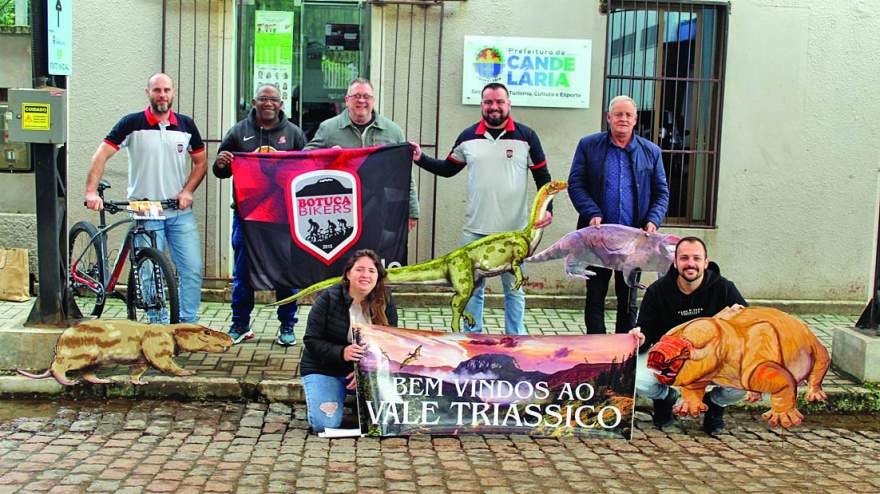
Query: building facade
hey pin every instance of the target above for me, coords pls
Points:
(763, 110)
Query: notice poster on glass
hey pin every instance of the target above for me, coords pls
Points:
(545, 72)
(273, 52)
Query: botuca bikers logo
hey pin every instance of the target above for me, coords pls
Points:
(489, 63)
(326, 212)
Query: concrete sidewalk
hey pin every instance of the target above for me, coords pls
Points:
(260, 369)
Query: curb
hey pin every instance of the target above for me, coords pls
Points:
(841, 399)
(439, 297)
(157, 388)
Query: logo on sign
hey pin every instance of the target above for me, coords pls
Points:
(326, 212)
(489, 63)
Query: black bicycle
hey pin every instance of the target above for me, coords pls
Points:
(152, 286)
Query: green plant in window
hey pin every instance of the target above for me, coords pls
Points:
(7, 16)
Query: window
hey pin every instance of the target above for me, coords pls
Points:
(15, 16)
(669, 57)
(311, 50)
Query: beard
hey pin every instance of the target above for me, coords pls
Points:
(690, 278)
(495, 121)
(161, 108)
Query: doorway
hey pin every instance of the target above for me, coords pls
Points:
(310, 50)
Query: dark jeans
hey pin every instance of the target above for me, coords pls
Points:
(243, 294)
(594, 307)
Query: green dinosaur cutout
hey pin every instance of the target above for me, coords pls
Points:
(464, 267)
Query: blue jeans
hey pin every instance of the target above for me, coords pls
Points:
(325, 396)
(181, 234)
(647, 386)
(243, 293)
(514, 300)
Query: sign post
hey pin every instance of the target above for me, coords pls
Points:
(39, 117)
(59, 36)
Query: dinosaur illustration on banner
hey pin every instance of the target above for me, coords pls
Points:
(759, 349)
(91, 344)
(617, 247)
(464, 267)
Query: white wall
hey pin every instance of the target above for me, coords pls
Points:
(797, 208)
(117, 46)
(558, 129)
(798, 186)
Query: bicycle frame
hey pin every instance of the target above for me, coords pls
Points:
(128, 251)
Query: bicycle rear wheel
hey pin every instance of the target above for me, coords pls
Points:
(152, 289)
(89, 295)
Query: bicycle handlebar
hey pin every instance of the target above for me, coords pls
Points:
(114, 207)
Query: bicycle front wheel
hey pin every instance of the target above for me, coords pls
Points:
(87, 270)
(152, 289)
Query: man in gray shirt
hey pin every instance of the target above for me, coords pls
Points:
(360, 126)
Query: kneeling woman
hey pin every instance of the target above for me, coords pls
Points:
(327, 362)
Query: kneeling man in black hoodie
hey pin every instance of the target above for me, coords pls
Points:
(693, 287)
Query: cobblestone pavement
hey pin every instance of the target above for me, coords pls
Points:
(262, 358)
(149, 446)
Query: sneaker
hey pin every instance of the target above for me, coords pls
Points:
(663, 409)
(713, 422)
(286, 336)
(240, 334)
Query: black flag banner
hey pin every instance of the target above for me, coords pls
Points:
(304, 210)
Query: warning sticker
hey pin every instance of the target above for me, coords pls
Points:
(35, 116)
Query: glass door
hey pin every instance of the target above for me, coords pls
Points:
(310, 50)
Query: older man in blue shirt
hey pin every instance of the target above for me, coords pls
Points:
(617, 177)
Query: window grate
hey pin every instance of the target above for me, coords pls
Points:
(669, 57)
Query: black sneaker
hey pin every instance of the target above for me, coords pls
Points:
(663, 409)
(713, 422)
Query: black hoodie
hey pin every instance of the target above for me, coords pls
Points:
(664, 306)
(247, 136)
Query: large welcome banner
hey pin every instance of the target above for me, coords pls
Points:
(304, 211)
(414, 382)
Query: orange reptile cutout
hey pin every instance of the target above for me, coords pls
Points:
(759, 349)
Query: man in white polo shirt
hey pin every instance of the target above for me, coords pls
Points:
(499, 155)
(158, 140)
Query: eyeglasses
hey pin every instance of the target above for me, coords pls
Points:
(273, 99)
(367, 97)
